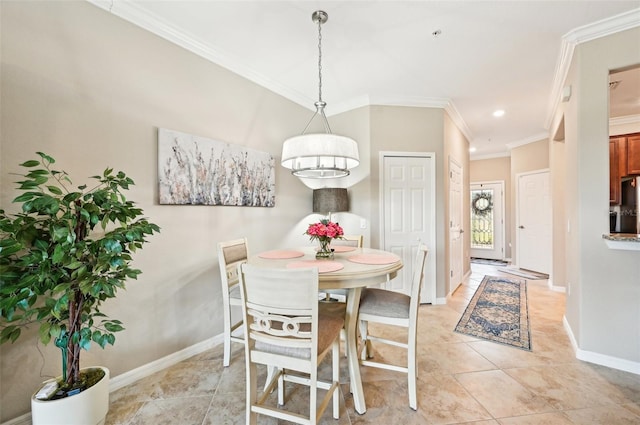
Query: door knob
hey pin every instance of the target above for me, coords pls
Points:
(521, 227)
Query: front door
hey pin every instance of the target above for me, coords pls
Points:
(533, 227)
(487, 224)
(408, 210)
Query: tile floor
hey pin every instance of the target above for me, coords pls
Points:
(461, 379)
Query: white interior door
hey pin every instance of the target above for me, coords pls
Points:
(533, 227)
(487, 222)
(408, 209)
(455, 225)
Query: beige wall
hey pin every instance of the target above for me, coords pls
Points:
(496, 169)
(410, 129)
(603, 285)
(557, 160)
(91, 90)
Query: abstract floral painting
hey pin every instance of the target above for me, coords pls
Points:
(194, 170)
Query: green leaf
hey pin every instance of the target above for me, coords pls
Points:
(9, 333)
(45, 335)
(60, 233)
(55, 190)
(27, 184)
(46, 157)
(31, 163)
(85, 338)
(113, 327)
(58, 254)
(27, 196)
(39, 172)
(71, 197)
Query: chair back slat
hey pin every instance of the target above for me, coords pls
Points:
(281, 305)
(230, 254)
(349, 240)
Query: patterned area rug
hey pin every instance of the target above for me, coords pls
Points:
(498, 312)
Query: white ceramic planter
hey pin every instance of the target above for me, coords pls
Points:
(89, 407)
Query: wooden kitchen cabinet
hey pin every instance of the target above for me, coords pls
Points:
(633, 155)
(624, 161)
(614, 171)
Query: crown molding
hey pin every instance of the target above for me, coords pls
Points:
(144, 19)
(489, 156)
(627, 119)
(570, 40)
(605, 27)
(420, 102)
(459, 121)
(156, 25)
(532, 139)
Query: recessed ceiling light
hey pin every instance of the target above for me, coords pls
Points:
(498, 113)
(472, 149)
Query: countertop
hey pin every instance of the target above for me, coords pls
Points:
(624, 241)
(625, 237)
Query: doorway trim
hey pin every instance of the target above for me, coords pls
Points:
(431, 242)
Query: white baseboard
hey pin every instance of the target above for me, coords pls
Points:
(440, 301)
(554, 288)
(143, 371)
(20, 420)
(597, 358)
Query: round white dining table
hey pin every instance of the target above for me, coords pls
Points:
(351, 268)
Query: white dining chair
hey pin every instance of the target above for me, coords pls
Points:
(287, 330)
(230, 254)
(349, 240)
(394, 308)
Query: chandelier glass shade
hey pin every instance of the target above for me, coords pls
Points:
(320, 155)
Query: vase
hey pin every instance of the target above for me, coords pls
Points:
(89, 407)
(324, 253)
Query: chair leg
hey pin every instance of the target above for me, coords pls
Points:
(227, 339)
(412, 371)
(313, 396)
(335, 366)
(252, 394)
(366, 349)
(281, 387)
(271, 372)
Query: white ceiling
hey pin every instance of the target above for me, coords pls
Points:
(510, 55)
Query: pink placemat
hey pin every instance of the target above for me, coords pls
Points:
(280, 254)
(374, 258)
(323, 266)
(343, 248)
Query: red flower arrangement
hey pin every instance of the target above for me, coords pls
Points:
(324, 232)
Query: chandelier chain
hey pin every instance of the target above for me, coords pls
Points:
(320, 60)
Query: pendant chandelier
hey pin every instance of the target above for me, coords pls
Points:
(320, 155)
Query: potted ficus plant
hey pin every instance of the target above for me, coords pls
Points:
(66, 252)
